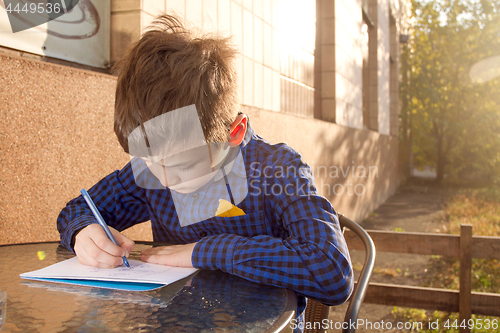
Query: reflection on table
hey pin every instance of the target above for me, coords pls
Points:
(207, 301)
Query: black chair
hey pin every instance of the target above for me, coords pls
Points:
(316, 311)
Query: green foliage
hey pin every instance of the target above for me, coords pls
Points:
(455, 118)
(444, 273)
(480, 207)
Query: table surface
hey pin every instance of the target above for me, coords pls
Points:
(208, 301)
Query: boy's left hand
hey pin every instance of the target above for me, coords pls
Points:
(173, 255)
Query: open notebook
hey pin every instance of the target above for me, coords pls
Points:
(141, 276)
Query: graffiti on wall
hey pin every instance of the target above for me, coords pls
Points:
(73, 30)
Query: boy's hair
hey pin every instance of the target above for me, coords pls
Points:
(170, 68)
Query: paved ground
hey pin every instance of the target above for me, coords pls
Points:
(416, 207)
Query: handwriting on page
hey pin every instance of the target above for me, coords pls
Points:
(139, 271)
(135, 269)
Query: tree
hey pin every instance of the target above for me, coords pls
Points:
(455, 118)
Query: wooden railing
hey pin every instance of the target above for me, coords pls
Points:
(464, 246)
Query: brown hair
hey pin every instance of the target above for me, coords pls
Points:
(169, 68)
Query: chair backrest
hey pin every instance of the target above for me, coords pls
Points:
(359, 292)
(316, 312)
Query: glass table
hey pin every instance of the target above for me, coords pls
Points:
(207, 301)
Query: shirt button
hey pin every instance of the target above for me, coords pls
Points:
(195, 196)
(203, 234)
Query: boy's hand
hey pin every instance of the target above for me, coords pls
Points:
(94, 248)
(174, 255)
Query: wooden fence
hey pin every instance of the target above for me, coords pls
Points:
(464, 246)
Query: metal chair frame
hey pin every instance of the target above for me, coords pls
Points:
(316, 311)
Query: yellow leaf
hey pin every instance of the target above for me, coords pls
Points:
(226, 209)
(41, 255)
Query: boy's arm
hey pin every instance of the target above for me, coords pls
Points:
(118, 199)
(313, 260)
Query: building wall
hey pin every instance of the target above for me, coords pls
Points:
(383, 72)
(57, 138)
(349, 63)
(57, 128)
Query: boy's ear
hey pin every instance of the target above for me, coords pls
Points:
(238, 130)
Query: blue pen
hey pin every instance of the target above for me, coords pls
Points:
(101, 222)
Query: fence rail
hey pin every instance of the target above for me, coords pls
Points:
(463, 246)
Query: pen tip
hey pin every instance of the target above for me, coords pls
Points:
(125, 261)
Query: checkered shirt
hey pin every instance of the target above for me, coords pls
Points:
(290, 236)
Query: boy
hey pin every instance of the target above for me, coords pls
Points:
(175, 114)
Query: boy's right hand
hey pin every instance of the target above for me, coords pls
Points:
(94, 248)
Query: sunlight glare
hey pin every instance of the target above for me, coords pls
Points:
(485, 70)
(297, 23)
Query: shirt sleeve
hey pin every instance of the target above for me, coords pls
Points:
(311, 258)
(117, 198)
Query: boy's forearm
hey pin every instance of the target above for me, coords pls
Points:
(316, 270)
(215, 252)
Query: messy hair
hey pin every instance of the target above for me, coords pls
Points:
(170, 68)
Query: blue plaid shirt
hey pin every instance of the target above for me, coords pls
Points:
(290, 236)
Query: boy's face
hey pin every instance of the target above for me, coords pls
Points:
(187, 171)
